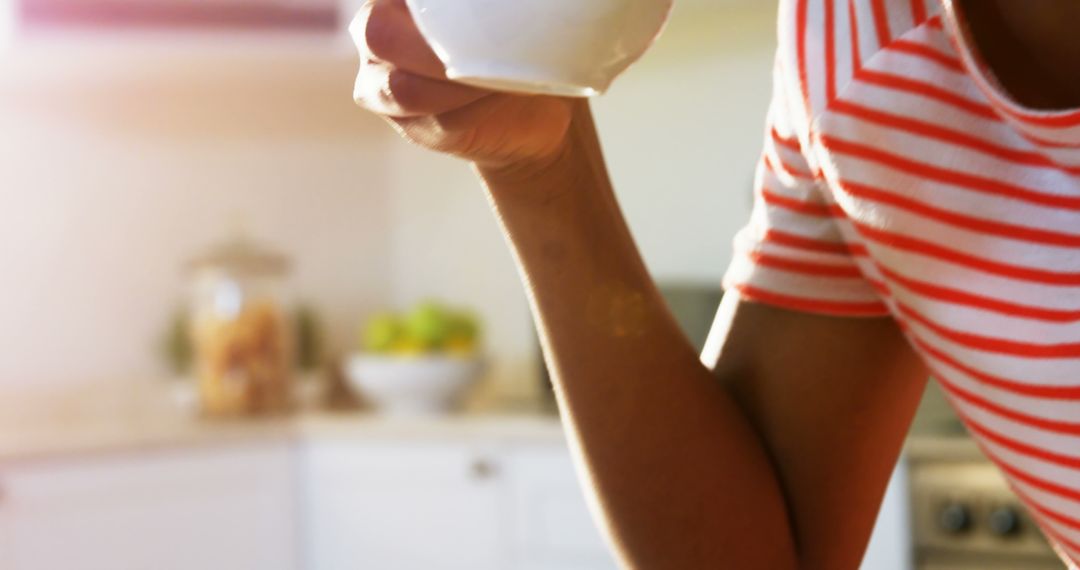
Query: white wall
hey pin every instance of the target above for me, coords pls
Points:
(7, 22)
(682, 131)
(114, 169)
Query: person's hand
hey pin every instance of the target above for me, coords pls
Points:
(403, 80)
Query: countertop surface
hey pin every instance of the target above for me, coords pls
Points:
(165, 431)
(152, 428)
(952, 447)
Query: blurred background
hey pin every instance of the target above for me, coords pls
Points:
(244, 326)
(132, 141)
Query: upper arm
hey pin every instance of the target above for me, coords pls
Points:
(821, 373)
(831, 399)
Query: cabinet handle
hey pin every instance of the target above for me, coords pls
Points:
(482, 469)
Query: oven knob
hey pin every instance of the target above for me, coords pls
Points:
(1004, 522)
(954, 518)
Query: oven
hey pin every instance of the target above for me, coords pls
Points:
(963, 515)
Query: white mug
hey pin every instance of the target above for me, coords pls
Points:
(571, 48)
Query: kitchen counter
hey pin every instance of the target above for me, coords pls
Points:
(150, 428)
(497, 470)
(44, 442)
(942, 448)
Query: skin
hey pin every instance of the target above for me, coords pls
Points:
(1032, 48)
(770, 451)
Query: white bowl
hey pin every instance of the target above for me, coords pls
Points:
(560, 47)
(422, 385)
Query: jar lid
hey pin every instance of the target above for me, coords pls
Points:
(241, 255)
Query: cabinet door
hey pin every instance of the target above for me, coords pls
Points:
(227, 509)
(403, 506)
(890, 546)
(5, 534)
(553, 528)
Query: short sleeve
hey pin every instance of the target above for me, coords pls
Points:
(792, 253)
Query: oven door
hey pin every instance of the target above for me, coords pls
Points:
(987, 565)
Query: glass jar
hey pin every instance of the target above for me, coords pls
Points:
(241, 331)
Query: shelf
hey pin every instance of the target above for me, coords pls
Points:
(261, 60)
(36, 49)
(136, 45)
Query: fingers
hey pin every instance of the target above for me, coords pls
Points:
(400, 76)
(402, 79)
(449, 132)
(385, 31)
(394, 92)
(498, 128)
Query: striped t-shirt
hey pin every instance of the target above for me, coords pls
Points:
(899, 179)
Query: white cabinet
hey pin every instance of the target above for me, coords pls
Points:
(404, 506)
(417, 506)
(5, 536)
(372, 502)
(552, 526)
(890, 545)
(224, 508)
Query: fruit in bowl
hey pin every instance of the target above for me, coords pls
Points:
(417, 363)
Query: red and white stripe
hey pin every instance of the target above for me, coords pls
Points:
(897, 180)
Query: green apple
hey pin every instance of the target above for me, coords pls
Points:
(463, 335)
(428, 325)
(382, 333)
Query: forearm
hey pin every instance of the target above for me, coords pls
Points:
(682, 477)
